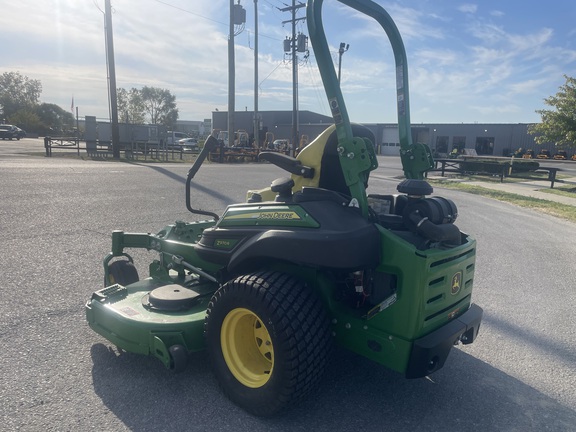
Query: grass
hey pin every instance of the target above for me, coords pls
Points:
(568, 191)
(552, 208)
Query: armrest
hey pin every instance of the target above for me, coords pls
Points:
(287, 163)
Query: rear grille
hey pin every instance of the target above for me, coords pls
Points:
(450, 308)
(469, 252)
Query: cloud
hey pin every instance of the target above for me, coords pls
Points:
(492, 108)
(468, 8)
(454, 61)
(528, 86)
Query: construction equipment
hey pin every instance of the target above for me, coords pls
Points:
(239, 151)
(561, 155)
(268, 140)
(311, 261)
(544, 154)
(529, 154)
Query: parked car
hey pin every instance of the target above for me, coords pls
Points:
(8, 132)
(188, 144)
(20, 133)
(173, 137)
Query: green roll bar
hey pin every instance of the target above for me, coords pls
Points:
(416, 158)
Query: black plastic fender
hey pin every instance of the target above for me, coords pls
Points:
(338, 250)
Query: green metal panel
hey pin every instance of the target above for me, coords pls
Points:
(424, 300)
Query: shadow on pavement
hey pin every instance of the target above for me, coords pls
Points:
(356, 394)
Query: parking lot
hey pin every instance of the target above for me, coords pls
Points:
(57, 215)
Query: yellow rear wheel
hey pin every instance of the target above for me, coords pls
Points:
(247, 347)
(268, 339)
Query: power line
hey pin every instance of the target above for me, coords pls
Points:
(190, 12)
(209, 19)
(319, 94)
(268, 76)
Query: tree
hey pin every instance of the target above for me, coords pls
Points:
(151, 104)
(130, 106)
(54, 119)
(160, 105)
(17, 92)
(27, 119)
(559, 125)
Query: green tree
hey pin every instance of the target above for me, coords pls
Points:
(27, 119)
(558, 125)
(150, 104)
(17, 92)
(130, 106)
(160, 105)
(54, 120)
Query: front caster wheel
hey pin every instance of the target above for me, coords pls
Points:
(179, 358)
(268, 337)
(121, 272)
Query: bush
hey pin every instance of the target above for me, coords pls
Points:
(524, 165)
(491, 167)
(495, 166)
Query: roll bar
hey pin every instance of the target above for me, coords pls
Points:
(416, 158)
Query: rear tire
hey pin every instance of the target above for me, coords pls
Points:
(268, 338)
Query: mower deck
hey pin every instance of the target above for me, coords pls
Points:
(129, 318)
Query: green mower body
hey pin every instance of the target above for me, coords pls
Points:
(387, 297)
(311, 261)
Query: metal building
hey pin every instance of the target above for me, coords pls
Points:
(494, 139)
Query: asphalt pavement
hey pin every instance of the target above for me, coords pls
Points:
(56, 374)
(528, 188)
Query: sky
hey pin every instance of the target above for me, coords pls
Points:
(486, 61)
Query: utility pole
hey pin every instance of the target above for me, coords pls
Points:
(256, 119)
(231, 77)
(113, 97)
(293, 46)
(237, 17)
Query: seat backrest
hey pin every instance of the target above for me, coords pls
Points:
(322, 155)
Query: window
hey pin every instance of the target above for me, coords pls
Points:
(485, 145)
(442, 144)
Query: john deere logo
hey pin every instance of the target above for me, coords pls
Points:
(456, 283)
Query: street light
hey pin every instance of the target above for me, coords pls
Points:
(343, 48)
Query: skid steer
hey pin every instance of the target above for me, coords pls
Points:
(313, 261)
